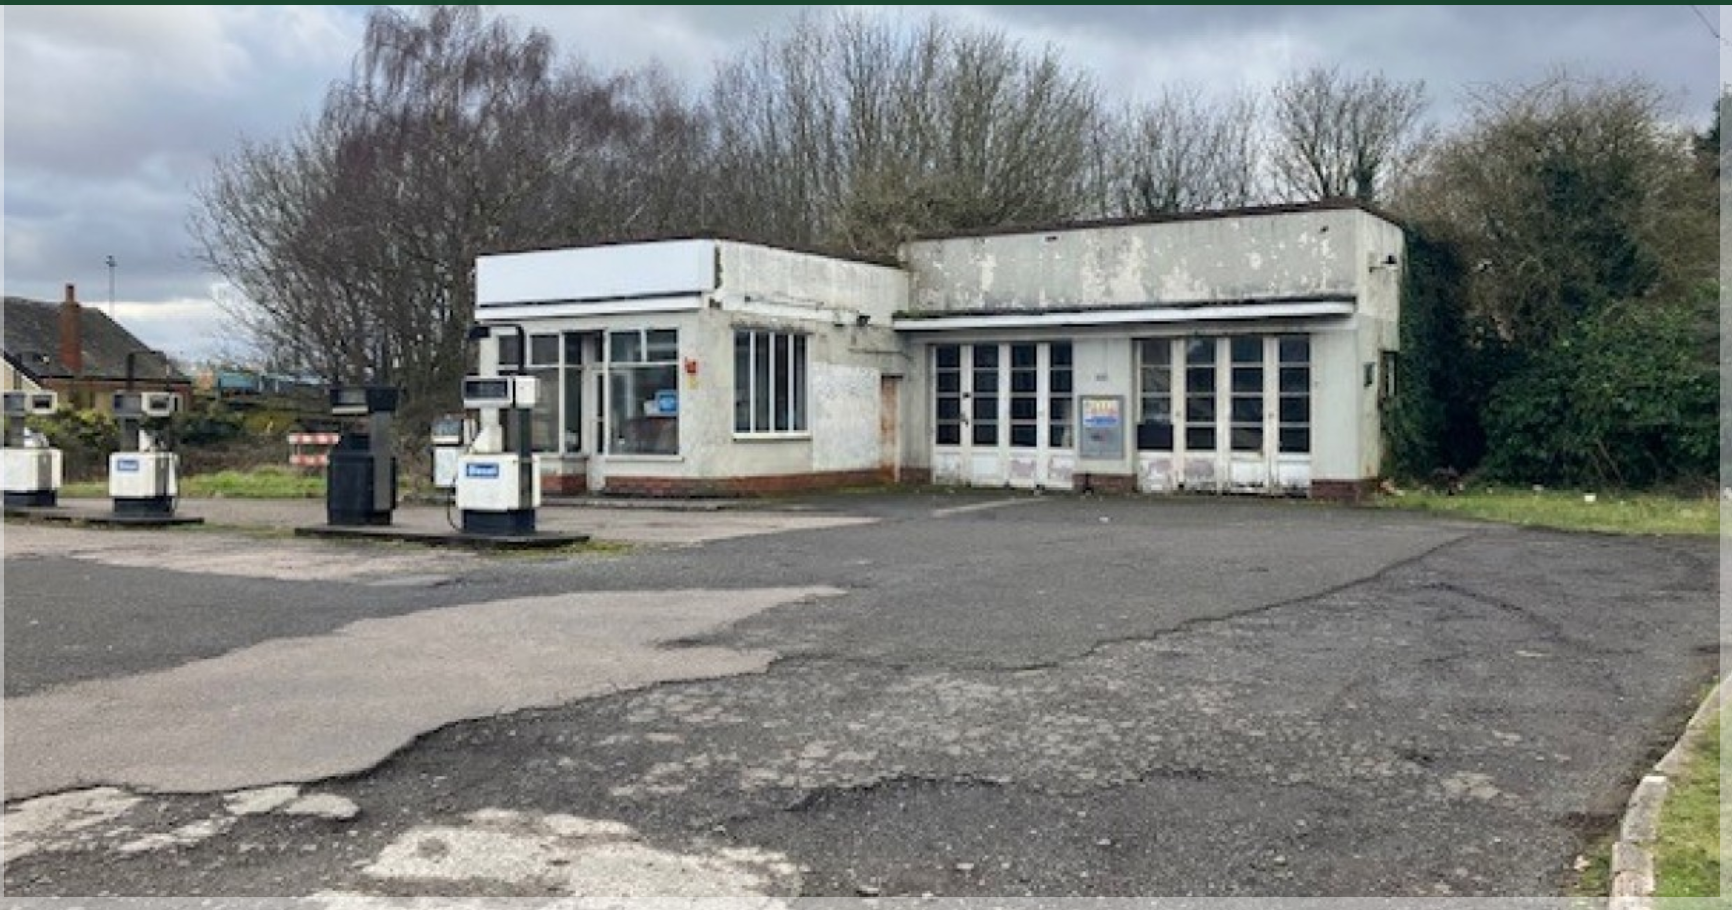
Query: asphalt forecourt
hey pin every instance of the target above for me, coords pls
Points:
(973, 695)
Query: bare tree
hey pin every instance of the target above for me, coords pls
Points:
(1338, 135)
(853, 134)
(354, 240)
(1182, 153)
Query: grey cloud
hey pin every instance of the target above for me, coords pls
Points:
(1453, 48)
(113, 115)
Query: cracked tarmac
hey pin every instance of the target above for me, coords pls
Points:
(1060, 696)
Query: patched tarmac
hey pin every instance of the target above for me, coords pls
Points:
(995, 696)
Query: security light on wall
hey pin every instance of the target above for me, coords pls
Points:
(1386, 262)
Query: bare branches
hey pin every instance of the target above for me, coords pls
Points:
(354, 240)
(1336, 135)
(1181, 153)
(852, 134)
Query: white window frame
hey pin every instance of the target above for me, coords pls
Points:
(789, 386)
(612, 368)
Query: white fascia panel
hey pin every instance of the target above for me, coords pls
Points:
(665, 268)
(1142, 316)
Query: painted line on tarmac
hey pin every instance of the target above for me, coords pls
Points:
(979, 507)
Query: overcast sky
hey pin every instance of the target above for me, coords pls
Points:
(113, 114)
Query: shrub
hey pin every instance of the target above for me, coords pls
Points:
(85, 438)
(1626, 397)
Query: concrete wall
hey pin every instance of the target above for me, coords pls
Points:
(1380, 329)
(1283, 254)
(1339, 253)
(843, 308)
(836, 290)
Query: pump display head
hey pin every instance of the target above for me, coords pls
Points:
(359, 401)
(134, 405)
(501, 392)
(28, 404)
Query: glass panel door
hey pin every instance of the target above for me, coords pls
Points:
(1295, 394)
(1024, 396)
(983, 412)
(1200, 400)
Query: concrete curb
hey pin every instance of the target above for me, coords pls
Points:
(1633, 852)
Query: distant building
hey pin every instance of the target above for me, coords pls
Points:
(1246, 351)
(79, 352)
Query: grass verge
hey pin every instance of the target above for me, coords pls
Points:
(1687, 854)
(268, 482)
(1610, 512)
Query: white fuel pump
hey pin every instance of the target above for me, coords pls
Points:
(499, 475)
(30, 467)
(143, 473)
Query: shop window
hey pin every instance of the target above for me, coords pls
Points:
(769, 382)
(643, 392)
(571, 391)
(544, 416)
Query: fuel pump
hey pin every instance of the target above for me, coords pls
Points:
(30, 466)
(449, 435)
(142, 473)
(361, 477)
(499, 476)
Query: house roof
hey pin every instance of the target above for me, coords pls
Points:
(32, 343)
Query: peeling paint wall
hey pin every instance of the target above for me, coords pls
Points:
(1380, 330)
(835, 289)
(1212, 259)
(844, 309)
(845, 406)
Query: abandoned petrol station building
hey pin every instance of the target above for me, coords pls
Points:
(1247, 351)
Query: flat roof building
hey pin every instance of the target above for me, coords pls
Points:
(1243, 351)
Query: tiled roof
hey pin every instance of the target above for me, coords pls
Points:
(32, 343)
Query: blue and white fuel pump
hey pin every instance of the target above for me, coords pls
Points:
(499, 475)
(143, 474)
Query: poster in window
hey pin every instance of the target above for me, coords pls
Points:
(1103, 427)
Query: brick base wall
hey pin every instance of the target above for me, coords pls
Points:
(1350, 491)
(712, 487)
(564, 484)
(1343, 490)
(1104, 483)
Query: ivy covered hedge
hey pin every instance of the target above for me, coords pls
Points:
(1626, 396)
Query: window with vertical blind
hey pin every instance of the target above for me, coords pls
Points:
(769, 382)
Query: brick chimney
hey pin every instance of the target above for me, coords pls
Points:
(72, 333)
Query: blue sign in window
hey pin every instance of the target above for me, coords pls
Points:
(485, 470)
(126, 465)
(668, 402)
